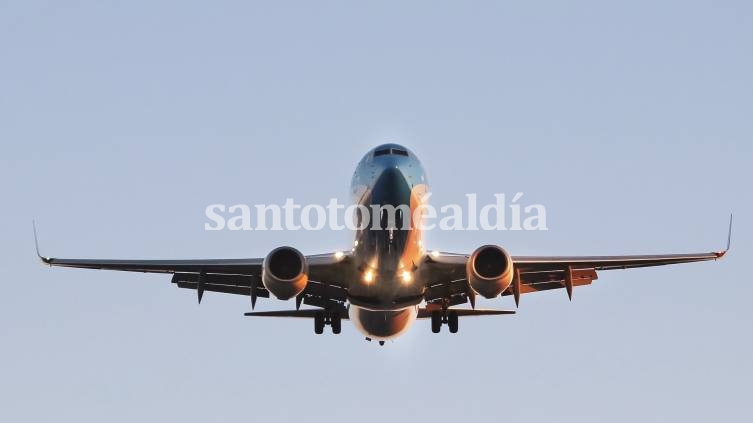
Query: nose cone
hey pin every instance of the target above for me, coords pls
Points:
(391, 188)
(393, 163)
(391, 176)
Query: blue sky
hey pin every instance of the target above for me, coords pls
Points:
(121, 122)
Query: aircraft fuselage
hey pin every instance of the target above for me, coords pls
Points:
(387, 252)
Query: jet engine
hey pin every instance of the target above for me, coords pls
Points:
(285, 272)
(489, 270)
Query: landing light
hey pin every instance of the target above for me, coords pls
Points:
(339, 255)
(406, 276)
(368, 276)
(435, 253)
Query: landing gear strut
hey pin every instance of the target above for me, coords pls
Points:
(438, 317)
(323, 318)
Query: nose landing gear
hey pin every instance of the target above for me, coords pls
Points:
(438, 317)
(323, 318)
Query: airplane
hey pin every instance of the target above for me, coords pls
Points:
(388, 279)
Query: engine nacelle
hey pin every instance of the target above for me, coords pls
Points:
(285, 272)
(489, 270)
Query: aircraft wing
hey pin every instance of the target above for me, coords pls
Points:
(229, 276)
(326, 287)
(213, 266)
(540, 273)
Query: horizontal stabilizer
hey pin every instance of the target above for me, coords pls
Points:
(305, 314)
(422, 313)
(425, 314)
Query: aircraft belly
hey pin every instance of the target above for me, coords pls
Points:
(382, 325)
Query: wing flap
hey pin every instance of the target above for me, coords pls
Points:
(225, 289)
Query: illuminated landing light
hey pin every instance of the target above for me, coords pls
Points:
(435, 253)
(355, 243)
(339, 255)
(406, 276)
(368, 276)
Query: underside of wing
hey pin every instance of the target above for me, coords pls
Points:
(326, 287)
(611, 262)
(449, 285)
(229, 276)
(218, 266)
(315, 294)
(459, 291)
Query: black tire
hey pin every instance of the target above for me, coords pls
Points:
(336, 323)
(436, 321)
(452, 321)
(319, 323)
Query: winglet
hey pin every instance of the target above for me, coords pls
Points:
(45, 260)
(721, 254)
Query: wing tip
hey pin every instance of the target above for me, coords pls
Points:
(45, 260)
(720, 254)
(729, 233)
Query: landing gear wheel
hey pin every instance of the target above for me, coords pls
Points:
(319, 323)
(336, 323)
(452, 321)
(436, 321)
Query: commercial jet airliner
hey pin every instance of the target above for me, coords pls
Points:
(388, 279)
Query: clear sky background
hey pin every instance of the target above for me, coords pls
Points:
(121, 121)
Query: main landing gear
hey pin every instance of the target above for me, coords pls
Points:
(444, 316)
(332, 318)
